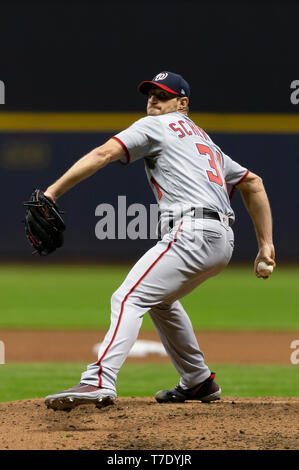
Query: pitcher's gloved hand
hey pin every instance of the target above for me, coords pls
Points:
(44, 226)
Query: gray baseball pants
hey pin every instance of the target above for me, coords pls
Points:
(179, 262)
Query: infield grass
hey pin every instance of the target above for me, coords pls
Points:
(78, 297)
(23, 381)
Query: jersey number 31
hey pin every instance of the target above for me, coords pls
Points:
(213, 177)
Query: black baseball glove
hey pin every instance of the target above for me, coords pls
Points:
(44, 226)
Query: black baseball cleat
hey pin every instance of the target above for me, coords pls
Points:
(81, 394)
(206, 391)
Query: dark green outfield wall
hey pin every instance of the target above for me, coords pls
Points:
(274, 157)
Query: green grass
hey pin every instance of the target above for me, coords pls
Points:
(78, 297)
(23, 381)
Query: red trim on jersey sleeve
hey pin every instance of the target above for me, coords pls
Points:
(126, 298)
(125, 149)
(240, 181)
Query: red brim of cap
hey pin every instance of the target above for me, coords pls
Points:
(144, 87)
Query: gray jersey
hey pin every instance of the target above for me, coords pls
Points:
(183, 165)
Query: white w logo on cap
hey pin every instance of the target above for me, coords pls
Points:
(160, 76)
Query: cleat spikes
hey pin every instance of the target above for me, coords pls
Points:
(79, 395)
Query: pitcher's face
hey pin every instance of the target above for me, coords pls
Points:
(161, 102)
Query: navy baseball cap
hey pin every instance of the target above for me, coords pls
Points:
(169, 81)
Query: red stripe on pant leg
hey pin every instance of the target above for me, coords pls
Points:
(126, 298)
(122, 310)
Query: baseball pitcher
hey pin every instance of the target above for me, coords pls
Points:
(193, 181)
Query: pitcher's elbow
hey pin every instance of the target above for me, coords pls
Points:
(102, 156)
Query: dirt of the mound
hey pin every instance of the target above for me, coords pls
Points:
(235, 347)
(140, 424)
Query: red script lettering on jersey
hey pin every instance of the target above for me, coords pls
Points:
(186, 130)
(177, 129)
(182, 127)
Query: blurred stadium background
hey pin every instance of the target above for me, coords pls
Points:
(71, 71)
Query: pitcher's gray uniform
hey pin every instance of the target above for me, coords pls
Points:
(187, 172)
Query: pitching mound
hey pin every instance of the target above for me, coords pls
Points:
(141, 423)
